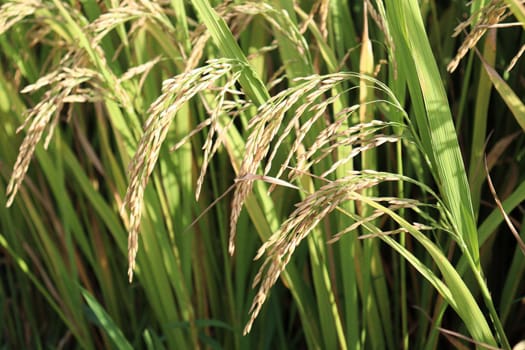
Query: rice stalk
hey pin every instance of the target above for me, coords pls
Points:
(175, 93)
(13, 12)
(267, 124)
(65, 87)
(491, 14)
(140, 12)
(279, 248)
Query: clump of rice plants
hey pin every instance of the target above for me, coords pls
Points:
(281, 174)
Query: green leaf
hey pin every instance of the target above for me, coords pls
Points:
(106, 323)
(507, 94)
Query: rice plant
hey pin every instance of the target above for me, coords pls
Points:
(279, 174)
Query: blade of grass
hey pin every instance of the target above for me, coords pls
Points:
(438, 127)
(224, 39)
(512, 101)
(440, 130)
(455, 291)
(106, 323)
